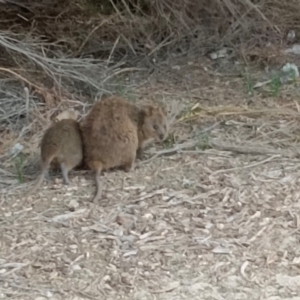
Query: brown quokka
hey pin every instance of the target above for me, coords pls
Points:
(60, 145)
(115, 130)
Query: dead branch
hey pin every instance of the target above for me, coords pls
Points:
(179, 147)
(252, 150)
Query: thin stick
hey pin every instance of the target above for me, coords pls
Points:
(178, 147)
(113, 50)
(27, 102)
(250, 150)
(91, 33)
(20, 77)
(175, 149)
(245, 167)
(122, 71)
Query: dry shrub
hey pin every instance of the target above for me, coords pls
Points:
(144, 26)
(76, 45)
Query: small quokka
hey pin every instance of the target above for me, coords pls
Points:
(61, 144)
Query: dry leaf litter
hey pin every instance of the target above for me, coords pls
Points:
(197, 224)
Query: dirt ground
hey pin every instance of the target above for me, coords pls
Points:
(202, 223)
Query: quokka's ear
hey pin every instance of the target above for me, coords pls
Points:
(147, 110)
(164, 110)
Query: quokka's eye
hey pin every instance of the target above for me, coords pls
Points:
(155, 127)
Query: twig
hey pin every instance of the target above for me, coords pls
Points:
(122, 71)
(204, 152)
(245, 167)
(20, 77)
(129, 44)
(26, 102)
(175, 149)
(178, 147)
(67, 216)
(164, 43)
(112, 50)
(250, 150)
(15, 266)
(255, 7)
(91, 33)
(174, 285)
(84, 294)
(149, 195)
(18, 286)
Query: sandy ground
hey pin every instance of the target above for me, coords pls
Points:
(198, 224)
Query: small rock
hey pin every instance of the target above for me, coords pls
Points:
(73, 204)
(296, 260)
(218, 54)
(220, 226)
(209, 225)
(126, 221)
(16, 149)
(295, 49)
(106, 278)
(148, 216)
(49, 294)
(291, 35)
(76, 268)
(57, 180)
(126, 278)
(68, 114)
(291, 69)
(128, 238)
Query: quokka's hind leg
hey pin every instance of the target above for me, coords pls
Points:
(130, 165)
(97, 167)
(65, 173)
(47, 175)
(99, 186)
(140, 153)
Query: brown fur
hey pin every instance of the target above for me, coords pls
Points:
(114, 130)
(62, 145)
(152, 126)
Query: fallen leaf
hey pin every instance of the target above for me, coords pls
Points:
(67, 114)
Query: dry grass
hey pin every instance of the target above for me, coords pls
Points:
(69, 53)
(63, 41)
(211, 215)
